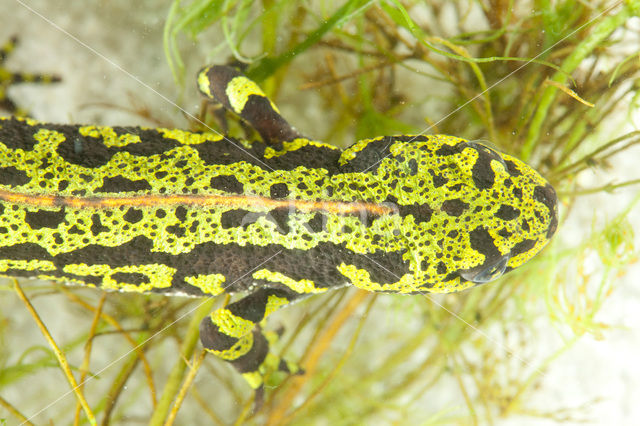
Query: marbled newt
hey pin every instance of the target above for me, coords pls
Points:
(181, 213)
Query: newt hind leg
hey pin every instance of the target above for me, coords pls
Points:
(233, 333)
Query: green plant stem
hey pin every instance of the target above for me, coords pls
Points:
(174, 381)
(267, 66)
(582, 50)
(60, 355)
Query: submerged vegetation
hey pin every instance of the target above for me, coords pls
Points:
(543, 81)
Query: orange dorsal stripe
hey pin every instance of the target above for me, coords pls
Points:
(194, 200)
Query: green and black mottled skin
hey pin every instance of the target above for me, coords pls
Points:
(173, 212)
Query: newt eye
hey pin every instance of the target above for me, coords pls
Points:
(486, 273)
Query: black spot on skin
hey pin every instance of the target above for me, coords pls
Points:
(512, 168)
(24, 251)
(504, 233)
(482, 174)
(11, 176)
(439, 180)
(75, 230)
(176, 230)
(413, 167)
(507, 212)
(547, 196)
(44, 219)
(281, 218)
(391, 199)
(421, 212)
(14, 134)
(234, 218)
(424, 264)
(317, 223)
(451, 276)
(122, 184)
(134, 278)
(525, 225)
(151, 142)
(228, 151)
(72, 149)
(517, 192)
(316, 157)
(454, 207)
(382, 267)
(181, 213)
(161, 213)
(522, 247)
(441, 268)
(62, 185)
(133, 215)
(278, 191)
(482, 242)
(96, 225)
(446, 150)
(371, 156)
(226, 183)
